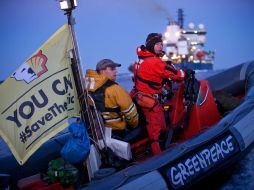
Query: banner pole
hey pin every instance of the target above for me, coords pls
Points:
(78, 75)
(86, 115)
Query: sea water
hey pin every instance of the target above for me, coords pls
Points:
(242, 176)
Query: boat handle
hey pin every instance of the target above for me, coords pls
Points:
(206, 95)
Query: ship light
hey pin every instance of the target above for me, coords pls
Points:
(174, 56)
(194, 43)
(165, 58)
(68, 4)
(193, 48)
(166, 35)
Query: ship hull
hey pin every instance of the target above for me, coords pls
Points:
(194, 66)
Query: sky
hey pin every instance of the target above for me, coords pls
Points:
(114, 28)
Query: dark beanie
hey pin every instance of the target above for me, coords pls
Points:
(151, 40)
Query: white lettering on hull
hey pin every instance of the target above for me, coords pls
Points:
(181, 172)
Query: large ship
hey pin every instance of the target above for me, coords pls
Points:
(185, 46)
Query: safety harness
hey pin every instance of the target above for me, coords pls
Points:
(99, 97)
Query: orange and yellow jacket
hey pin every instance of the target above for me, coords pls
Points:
(115, 97)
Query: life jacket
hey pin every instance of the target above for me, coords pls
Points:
(99, 97)
(137, 78)
(149, 72)
(118, 107)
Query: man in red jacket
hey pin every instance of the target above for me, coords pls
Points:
(149, 72)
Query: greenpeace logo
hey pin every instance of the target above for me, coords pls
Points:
(195, 165)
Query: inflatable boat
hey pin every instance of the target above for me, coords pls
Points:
(211, 121)
(217, 132)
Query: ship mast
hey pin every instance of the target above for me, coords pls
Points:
(180, 18)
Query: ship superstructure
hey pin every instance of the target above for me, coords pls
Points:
(185, 47)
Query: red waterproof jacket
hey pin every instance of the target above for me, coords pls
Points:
(149, 71)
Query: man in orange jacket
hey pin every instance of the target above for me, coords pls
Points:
(111, 99)
(149, 72)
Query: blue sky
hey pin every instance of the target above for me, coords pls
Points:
(114, 28)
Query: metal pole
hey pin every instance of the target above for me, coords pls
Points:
(78, 75)
(86, 115)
